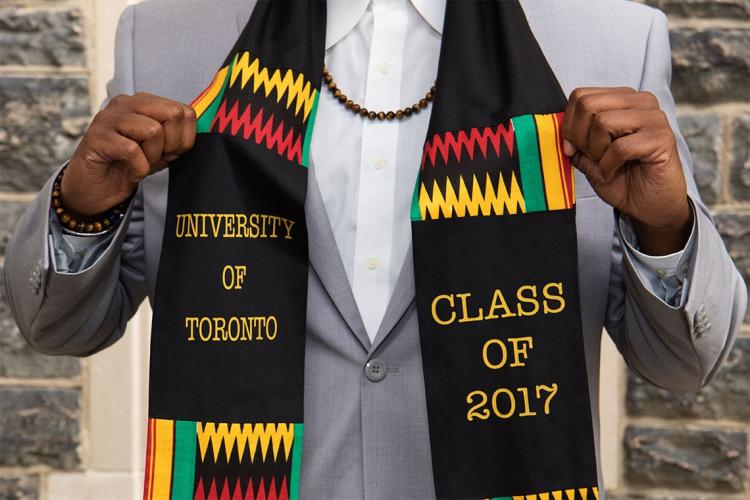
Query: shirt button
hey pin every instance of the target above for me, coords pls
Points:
(375, 370)
(378, 163)
(372, 263)
(384, 68)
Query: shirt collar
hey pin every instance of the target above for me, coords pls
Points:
(343, 16)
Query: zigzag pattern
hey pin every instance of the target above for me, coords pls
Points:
(458, 144)
(261, 493)
(249, 126)
(489, 201)
(569, 494)
(298, 90)
(248, 437)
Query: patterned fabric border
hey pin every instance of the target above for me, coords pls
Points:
(258, 460)
(539, 178)
(569, 494)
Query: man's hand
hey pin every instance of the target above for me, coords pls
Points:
(132, 137)
(622, 142)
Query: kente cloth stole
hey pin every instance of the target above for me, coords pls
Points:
(495, 257)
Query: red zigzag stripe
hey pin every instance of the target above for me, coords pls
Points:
(465, 142)
(262, 493)
(253, 126)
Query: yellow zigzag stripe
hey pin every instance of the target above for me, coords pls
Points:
(297, 89)
(569, 494)
(245, 436)
(463, 204)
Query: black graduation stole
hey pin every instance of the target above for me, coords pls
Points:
(495, 259)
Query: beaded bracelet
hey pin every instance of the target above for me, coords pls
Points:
(94, 226)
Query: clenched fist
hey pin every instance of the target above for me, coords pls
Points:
(132, 137)
(622, 142)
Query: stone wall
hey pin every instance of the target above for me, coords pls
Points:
(685, 446)
(45, 105)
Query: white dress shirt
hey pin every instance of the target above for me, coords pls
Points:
(383, 54)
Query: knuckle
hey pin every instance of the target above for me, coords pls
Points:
(620, 148)
(119, 100)
(190, 113)
(129, 149)
(577, 94)
(587, 103)
(153, 131)
(649, 97)
(600, 121)
(175, 111)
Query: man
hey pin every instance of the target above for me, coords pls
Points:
(654, 271)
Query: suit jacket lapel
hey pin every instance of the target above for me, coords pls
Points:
(326, 261)
(403, 296)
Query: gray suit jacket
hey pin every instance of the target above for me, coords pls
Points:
(362, 438)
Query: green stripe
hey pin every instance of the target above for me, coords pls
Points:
(204, 122)
(308, 132)
(183, 472)
(296, 461)
(528, 159)
(416, 214)
(502, 498)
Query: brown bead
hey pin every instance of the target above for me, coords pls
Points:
(89, 228)
(72, 224)
(372, 115)
(363, 112)
(55, 193)
(407, 111)
(64, 218)
(428, 96)
(59, 210)
(381, 115)
(336, 93)
(55, 202)
(423, 103)
(343, 98)
(415, 108)
(390, 115)
(399, 114)
(356, 107)
(80, 227)
(331, 85)
(348, 104)
(105, 222)
(327, 79)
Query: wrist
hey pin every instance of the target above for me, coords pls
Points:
(74, 222)
(665, 239)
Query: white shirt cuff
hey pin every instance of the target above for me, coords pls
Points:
(666, 275)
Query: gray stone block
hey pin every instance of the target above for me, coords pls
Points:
(41, 121)
(731, 9)
(42, 37)
(735, 229)
(19, 488)
(714, 461)
(703, 135)
(19, 360)
(710, 65)
(728, 396)
(40, 426)
(10, 212)
(739, 185)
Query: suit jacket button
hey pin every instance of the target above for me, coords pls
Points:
(375, 370)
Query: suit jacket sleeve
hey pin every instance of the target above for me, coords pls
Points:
(82, 312)
(678, 348)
